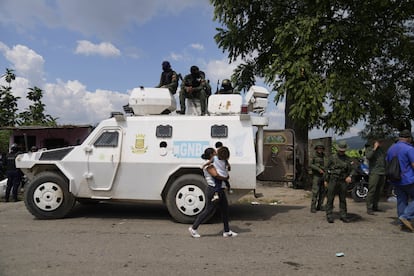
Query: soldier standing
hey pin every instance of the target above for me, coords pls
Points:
(339, 176)
(13, 173)
(318, 163)
(376, 158)
(169, 78)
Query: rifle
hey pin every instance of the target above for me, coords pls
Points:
(180, 77)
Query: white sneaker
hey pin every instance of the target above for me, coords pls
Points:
(215, 197)
(229, 234)
(193, 232)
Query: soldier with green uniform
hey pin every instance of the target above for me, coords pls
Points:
(194, 85)
(317, 165)
(376, 158)
(339, 175)
(169, 78)
(226, 87)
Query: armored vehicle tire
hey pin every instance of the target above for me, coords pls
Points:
(186, 198)
(48, 196)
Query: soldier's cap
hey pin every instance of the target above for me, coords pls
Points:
(165, 63)
(319, 146)
(405, 133)
(342, 146)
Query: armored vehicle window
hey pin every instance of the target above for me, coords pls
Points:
(107, 139)
(164, 131)
(219, 131)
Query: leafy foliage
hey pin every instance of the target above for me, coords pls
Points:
(335, 62)
(8, 102)
(34, 115)
(243, 76)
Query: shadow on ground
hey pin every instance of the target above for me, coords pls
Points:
(238, 212)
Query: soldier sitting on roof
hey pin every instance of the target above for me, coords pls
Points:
(193, 86)
(169, 78)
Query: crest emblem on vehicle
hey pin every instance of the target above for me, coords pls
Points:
(139, 146)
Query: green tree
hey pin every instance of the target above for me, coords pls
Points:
(34, 114)
(8, 102)
(334, 62)
(243, 76)
(9, 76)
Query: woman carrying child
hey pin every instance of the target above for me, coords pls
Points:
(210, 174)
(221, 163)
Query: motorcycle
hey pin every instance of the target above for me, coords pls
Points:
(359, 185)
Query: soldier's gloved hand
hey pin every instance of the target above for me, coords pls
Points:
(348, 179)
(189, 89)
(325, 183)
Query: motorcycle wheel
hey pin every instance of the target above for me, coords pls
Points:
(359, 193)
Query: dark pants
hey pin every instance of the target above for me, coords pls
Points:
(336, 186)
(13, 182)
(210, 206)
(318, 192)
(375, 187)
(198, 95)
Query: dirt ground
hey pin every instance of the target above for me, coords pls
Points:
(272, 193)
(277, 236)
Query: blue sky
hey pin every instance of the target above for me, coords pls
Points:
(88, 55)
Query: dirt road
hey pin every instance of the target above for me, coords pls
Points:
(277, 236)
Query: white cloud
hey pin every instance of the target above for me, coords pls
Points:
(275, 112)
(26, 14)
(105, 49)
(26, 62)
(220, 69)
(104, 18)
(70, 101)
(74, 104)
(176, 56)
(197, 46)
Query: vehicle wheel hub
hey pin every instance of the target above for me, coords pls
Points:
(48, 196)
(190, 200)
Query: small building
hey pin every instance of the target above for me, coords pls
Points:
(49, 137)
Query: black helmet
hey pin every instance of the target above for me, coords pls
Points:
(226, 84)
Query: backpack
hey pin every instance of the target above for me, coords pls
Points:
(393, 170)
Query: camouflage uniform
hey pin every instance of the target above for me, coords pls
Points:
(376, 159)
(169, 78)
(226, 87)
(339, 169)
(194, 85)
(317, 165)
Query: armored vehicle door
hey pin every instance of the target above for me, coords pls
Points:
(278, 156)
(103, 157)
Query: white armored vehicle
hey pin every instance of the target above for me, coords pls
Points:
(150, 156)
